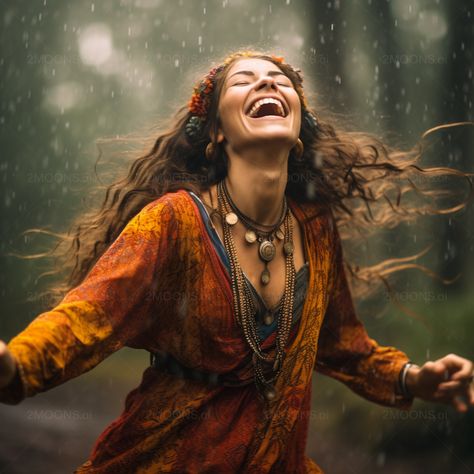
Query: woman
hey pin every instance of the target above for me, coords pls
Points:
(233, 279)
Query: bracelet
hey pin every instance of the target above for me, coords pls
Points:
(403, 380)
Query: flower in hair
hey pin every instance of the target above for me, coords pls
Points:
(199, 103)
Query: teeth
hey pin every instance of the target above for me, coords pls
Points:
(269, 100)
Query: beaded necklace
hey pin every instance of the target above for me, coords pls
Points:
(243, 308)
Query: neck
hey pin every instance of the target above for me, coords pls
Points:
(256, 182)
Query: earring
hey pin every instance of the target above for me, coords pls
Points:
(210, 149)
(298, 150)
(311, 120)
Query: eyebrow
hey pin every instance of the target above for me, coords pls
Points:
(251, 73)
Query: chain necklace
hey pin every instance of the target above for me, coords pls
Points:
(266, 249)
(243, 308)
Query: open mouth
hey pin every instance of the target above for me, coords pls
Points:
(267, 106)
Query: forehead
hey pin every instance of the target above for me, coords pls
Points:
(252, 64)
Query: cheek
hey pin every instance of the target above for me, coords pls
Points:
(229, 113)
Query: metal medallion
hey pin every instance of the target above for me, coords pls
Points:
(250, 236)
(288, 248)
(269, 392)
(265, 277)
(268, 319)
(231, 218)
(266, 250)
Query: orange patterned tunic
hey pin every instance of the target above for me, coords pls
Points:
(161, 286)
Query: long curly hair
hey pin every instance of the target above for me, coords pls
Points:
(362, 180)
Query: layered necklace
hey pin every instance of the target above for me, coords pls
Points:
(265, 236)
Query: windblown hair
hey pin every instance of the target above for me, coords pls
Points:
(363, 181)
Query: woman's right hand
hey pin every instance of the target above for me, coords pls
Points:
(7, 365)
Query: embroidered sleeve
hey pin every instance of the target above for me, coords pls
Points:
(111, 307)
(348, 354)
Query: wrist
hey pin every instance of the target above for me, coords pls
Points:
(411, 379)
(408, 380)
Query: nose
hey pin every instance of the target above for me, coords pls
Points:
(266, 82)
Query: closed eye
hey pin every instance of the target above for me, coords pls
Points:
(244, 83)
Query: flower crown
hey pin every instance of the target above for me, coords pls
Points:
(200, 101)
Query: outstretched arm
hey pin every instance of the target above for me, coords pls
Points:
(348, 354)
(111, 307)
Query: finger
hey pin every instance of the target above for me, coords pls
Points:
(451, 389)
(471, 395)
(457, 366)
(443, 398)
(459, 404)
(450, 386)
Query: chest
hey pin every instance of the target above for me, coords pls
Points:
(197, 318)
(251, 264)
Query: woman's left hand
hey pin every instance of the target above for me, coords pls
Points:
(446, 380)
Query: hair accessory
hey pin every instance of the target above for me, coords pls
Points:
(278, 59)
(193, 127)
(199, 102)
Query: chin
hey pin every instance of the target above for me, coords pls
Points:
(280, 137)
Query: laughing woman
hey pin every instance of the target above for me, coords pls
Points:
(233, 278)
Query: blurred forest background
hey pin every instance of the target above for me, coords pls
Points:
(76, 72)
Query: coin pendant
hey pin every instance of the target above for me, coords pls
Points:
(288, 248)
(265, 277)
(250, 236)
(231, 218)
(269, 393)
(268, 319)
(266, 250)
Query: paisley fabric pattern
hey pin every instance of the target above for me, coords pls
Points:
(162, 286)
